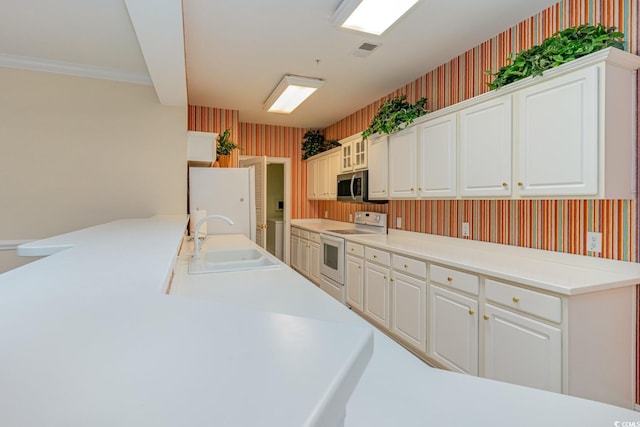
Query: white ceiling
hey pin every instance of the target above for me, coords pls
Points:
(237, 51)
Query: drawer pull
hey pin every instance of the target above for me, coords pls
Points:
(406, 266)
(471, 312)
(449, 279)
(485, 317)
(516, 299)
(352, 249)
(520, 184)
(375, 256)
(504, 184)
(359, 267)
(411, 189)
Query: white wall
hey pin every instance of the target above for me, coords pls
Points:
(76, 152)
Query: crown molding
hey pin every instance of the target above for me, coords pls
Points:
(71, 69)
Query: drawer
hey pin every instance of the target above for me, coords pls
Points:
(536, 303)
(314, 237)
(295, 231)
(455, 279)
(410, 266)
(376, 255)
(355, 249)
(303, 234)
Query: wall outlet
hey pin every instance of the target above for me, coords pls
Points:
(350, 217)
(326, 214)
(465, 229)
(594, 241)
(399, 222)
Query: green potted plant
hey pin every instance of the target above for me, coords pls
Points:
(224, 148)
(395, 114)
(312, 144)
(562, 47)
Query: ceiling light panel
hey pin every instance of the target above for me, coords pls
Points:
(290, 93)
(371, 16)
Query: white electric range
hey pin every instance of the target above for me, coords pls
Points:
(332, 251)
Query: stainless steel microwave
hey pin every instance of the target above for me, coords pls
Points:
(353, 187)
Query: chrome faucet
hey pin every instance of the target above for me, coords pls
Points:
(196, 231)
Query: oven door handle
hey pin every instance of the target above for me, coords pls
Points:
(331, 239)
(353, 178)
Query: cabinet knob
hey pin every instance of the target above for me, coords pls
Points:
(406, 266)
(352, 249)
(419, 188)
(359, 267)
(471, 312)
(384, 191)
(520, 184)
(504, 184)
(385, 277)
(391, 280)
(449, 279)
(375, 256)
(411, 189)
(485, 317)
(516, 299)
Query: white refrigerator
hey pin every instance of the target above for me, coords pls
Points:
(225, 191)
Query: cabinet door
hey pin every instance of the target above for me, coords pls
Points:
(314, 262)
(355, 281)
(408, 309)
(403, 159)
(295, 252)
(521, 350)
(312, 179)
(453, 330)
(359, 153)
(437, 157)
(347, 161)
(378, 167)
(558, 136)
(333, 168)
(485, 149)
(323, 177)
(303, 257)
(376, 293)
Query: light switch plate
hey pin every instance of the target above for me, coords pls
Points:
(465, 229)
(350, 217)
(326, 214)
(594, 241)
(399, 222)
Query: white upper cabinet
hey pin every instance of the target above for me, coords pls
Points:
(354, 153)
(403, 159)
(437, 151)
(485, 149)
(558, 136)
(566, 134)
(322, 171)
(378, 167)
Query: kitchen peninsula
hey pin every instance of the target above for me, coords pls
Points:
(90, 338)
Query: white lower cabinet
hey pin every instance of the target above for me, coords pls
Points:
(295, 251)
(314, 262)
(376, 293)
(408, 304)
(521, 350)
(453, 330)
(354, 268)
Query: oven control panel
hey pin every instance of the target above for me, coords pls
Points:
(376, 219)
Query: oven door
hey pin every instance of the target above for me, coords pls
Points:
(332, 258)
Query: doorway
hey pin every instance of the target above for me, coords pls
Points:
(273, 202)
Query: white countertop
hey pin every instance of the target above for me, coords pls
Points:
(88, 338)
(396, 389)
(564, 274)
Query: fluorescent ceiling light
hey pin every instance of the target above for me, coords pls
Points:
(370, 16)
(291, 92)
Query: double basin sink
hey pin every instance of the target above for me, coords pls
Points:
(225, 260)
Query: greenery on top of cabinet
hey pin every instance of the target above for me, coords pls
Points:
(562, 47)
(395, 114)
(315, 143)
